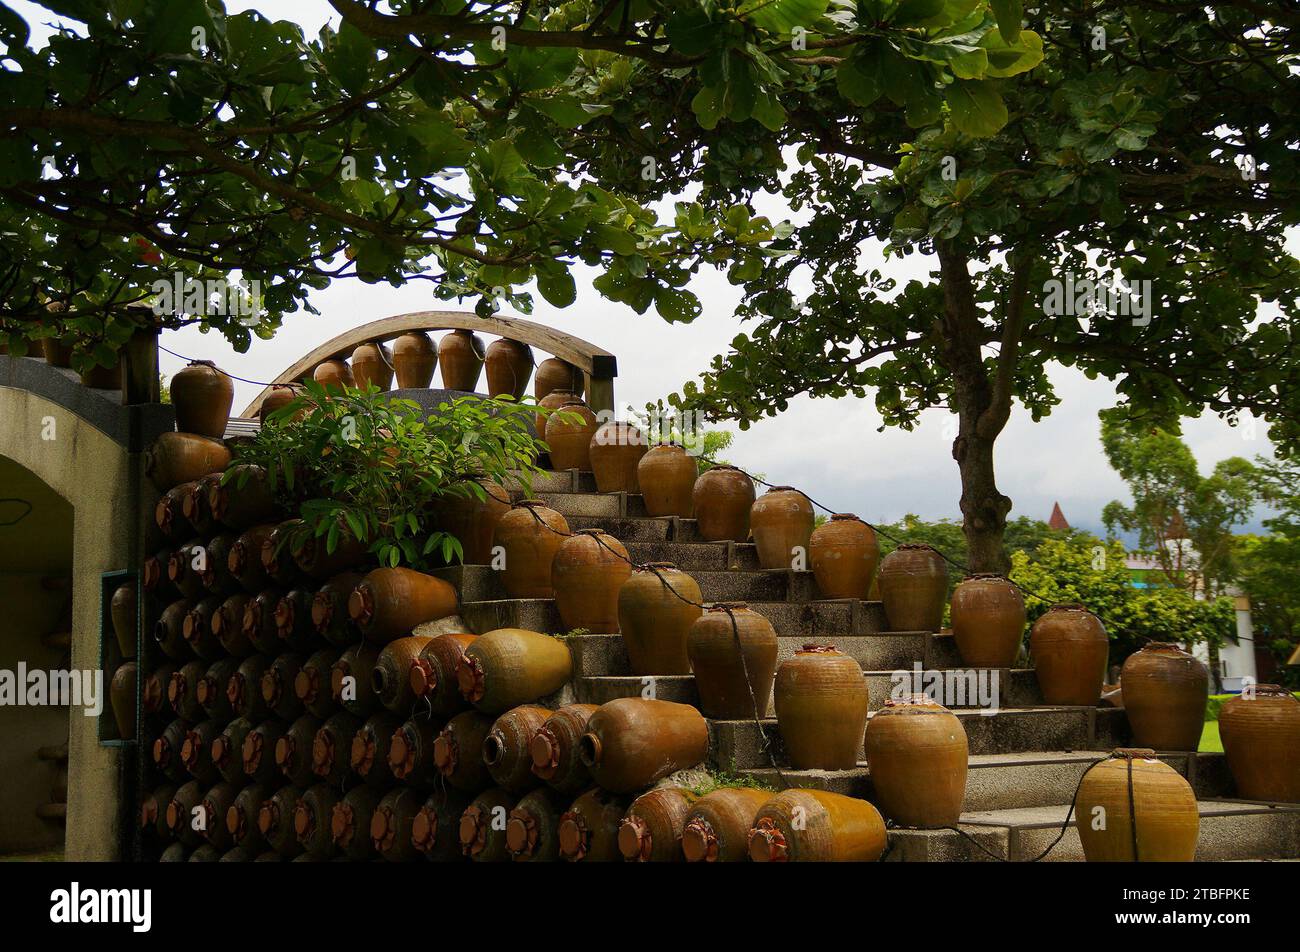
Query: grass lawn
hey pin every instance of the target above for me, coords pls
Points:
(1210, 742)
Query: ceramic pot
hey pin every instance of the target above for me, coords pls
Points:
(651, 832)
(334, 375)
(1168, 820)
(554, 749)
(656, 607)
(473, 520)
(917, 753)
(615, 452)
(734, 681)
(530, 534)
(509, 364)
(1070, 649)
(988, 620)
(722, 498)
(281, 395)
(666, 475)
(718, 824)
(461, 354)
(414, 360)
(815, 826)
(202, 397)
(631, 742)
(821, 708)
(781, 522)
(121, 693)
(1165, 692)
(588, 830)
(125, 616)
(1261, 738)
(511, 666)
(390, 602)
(372, 364)
(432, 675)
(588, 570)
(844, 555)
(913, 582)
(177, 458)
(553, 401)
(570, 439)
(505, 749)
(555, 374)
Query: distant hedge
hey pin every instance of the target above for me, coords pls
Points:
(1216, 703)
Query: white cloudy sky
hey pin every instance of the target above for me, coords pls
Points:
(831, 449)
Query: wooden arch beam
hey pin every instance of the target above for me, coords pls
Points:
(597, 365)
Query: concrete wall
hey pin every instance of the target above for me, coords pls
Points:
(102, 481)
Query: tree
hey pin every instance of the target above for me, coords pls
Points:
(1270, 566)
(167, 139)
(1155, 144)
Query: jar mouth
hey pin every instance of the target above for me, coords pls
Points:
(657, 565)
(914, 546)
(818, 649)
(1069, 607)
(845, 517)
(782, 489)
(723, 606)
(983, 575)
(1134, 753)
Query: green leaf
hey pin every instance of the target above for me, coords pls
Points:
(781, 16)
(558, 289)
(692, 32)
(708, 105)
(530, 68)
(976, 108)
(1010, 13)
(1012, 59)
(676, 305)
(858, 80)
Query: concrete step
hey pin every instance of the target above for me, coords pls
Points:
(535, 614)
(1004, 781)
(1009, 731)
(627, 530)
(605, 505)
(959, 688)
(552, 481)
(1229, 830)
(671, 687)
(697, 556)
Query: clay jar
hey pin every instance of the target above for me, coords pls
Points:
(414, 359)
(473, 520)
(122, 696)
(556, 374)
(1168, 820)
(281, 395)
(372, 364)
(814, 826)
(666, 475)
(511, 666)
(482, 836)
(505, 749)
(432, 675)
(988, 620)
(389, 602)
(532, 830)
(844, 555)
(917, 754)
(202, 396)
(588, 830)
(391, 676)
(732, 684)
(122, 610)
(461, 355)
(589, 569)
(529, 534)
(615, 454)
(631, 742)
(509, 365)
(554, 749)
(1070, 649)
(1165, 691)
(1261, 738)
(651, 832)
(655, 621)
(913, 581)
(718, 824)
(721, 499)
(334, 374)
(821, 708)
(553, 401)
(177, 458)
(570, 439)
(781, 522)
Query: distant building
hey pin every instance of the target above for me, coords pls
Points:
(1057, 520)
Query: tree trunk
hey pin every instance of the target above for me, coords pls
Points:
(982, 402)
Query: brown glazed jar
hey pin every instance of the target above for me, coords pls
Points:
(781, 521)
(733, 684)
(371, 746)
(473, 520)
(202, 396)
(917, 754)
(169, 513)
(281, 395)
(124, 613)
(176, 458)
(390, 602)
(988, 620)
(275, 821)
(718, 824)
(1165, 692)
(570, 439)
(410, 753)
(350, 823)
(722, 498)
(553, 401)
(509, 364)
(1168, 819)
(815, 826)
(1070, 649)
(390, 825)
(329, 609)
(372, 364)
(461, 354)
(555, 374)
(530, 534)
(507, 667)
(913, 582)
(844, 555)
(311, 685)
(821, 708)
(588, 831)
(334, 374)
(121, 693)
(435, 831)
(244, 560)
(350, 682)
(312, 819)
(631, 742)
(414, 360)
(1261, 738)
(227, 750)
(391, 675)
(651, 832)
(432, 675)
(615, 454)
(331, 748)
(533, 827)
(656, 607)
(589, 568)
(554, 749)
(243, 499)
(458, 751)
(666, 475)
(505, 749)
(483, 826)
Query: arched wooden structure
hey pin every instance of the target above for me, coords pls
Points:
(597, 365)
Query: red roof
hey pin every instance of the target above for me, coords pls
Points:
(1057, 521)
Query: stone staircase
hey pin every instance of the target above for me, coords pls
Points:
(1026, 758)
